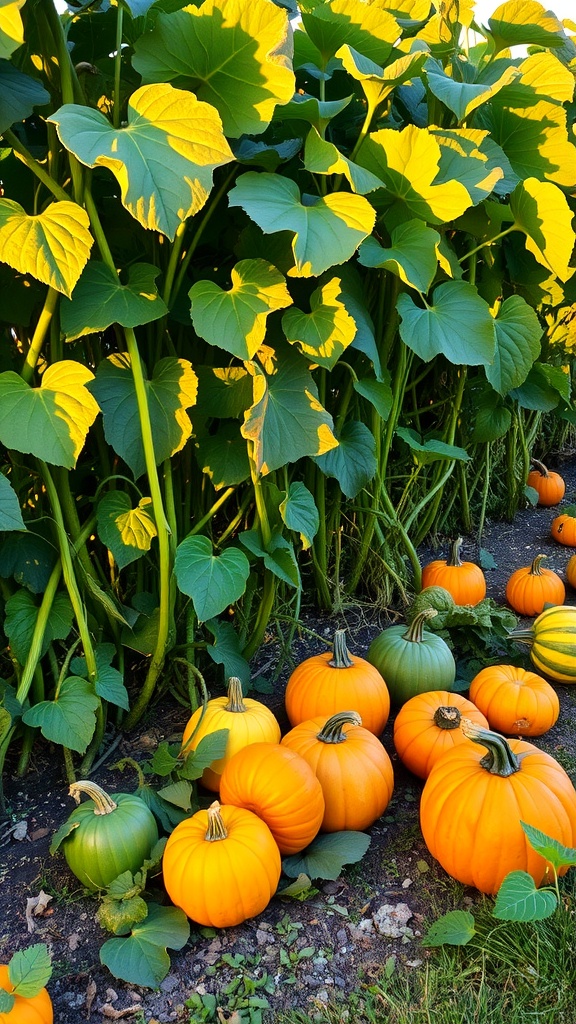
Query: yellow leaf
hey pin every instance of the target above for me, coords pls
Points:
(52, 246)
(67, 380)
(137, 528)
(11, 27)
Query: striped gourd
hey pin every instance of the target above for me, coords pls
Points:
(553, 640)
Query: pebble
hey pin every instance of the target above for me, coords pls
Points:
(169, 983)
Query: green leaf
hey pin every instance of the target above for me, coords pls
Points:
(125, 545)
(524, 22)
(212, 581)
(491, 419)
(119, 916)
(412, 255)
(518, 899)
(278, 556)
(541, 210)
(222, 455)
(227, 651)
(70, 718)
(325, 333)
(353, 463)
(455, 928)
(437, 329)
(11, 28)
(318, 113)
(163, 160)
(378, 393)
(19, 93)
(370, 30)
(323, 157)
(52, 421)
(299, 513)
(21, 614)
(109, 681)
(430, 450)
(464, 97)
(558, 855)
(178, 793)
(378, 83)
(518, 334)
(100, 299)
(10, 514)
(327, 230)
(543, 388)
(141, 958)
(327, 855)
(171, 391)
(6, 1001)
(466, 156)
(30, 970)
(232, 53)
(235, 320)
(211, 748)
(53, 246)
(286, 420)
(226, 391)
(28, 557)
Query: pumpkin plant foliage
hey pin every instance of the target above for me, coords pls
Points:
(237, 251)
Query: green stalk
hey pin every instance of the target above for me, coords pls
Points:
(40, 332)
(40, 172)
(489, 241)
(485, 492)
(269, 584)
(118, 67)
(68, 82)
(211, 512)
(37, 639)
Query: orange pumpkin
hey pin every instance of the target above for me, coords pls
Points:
(533, 586)
(464, 580)
(351, 765)
(26, 1009)
(328, 682)
(549, 485)
(571, 571)
(515, 701)
(428, 725)
(563, 528)
(475, 799)
(280, 787)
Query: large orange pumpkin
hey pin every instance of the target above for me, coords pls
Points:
(464, 580)
(26, 1009)
(516, 702)
(549, 485)
(563, 527)
(280, 787)
(328, 682)
(533, 586)
(351, 765)
(475, 799)
(428, 725)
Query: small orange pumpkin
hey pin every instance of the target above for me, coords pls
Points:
(515, 702)
(26, 1009)
(428, 725)
(571, 571)
(563, 528)
(464, 580)
(549, 485)
(533, 586)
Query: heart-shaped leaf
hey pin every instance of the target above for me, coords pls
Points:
(212, 581)
(21, 614)
(299, 513)
(556, 853)
(53, 245)
(109, 682)
(412, 256)
(227, 651)
(327, 855)
(524, 23)
(141, 958)
(353, 463)
(377, 83)
(541, 210)
(455, 928)
(323, 157)
(464, 97)
(28, 557)
(518, 334)
(19, 93)
(323, 334)
(437, 328)
(466, 156)
(115, 511)
(100, 299)
(10, 514)
(370, 30)
(518, 899)
(69, 719)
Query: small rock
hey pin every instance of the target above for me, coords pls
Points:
(339, 981)
(262, 936)
(169, 983)
(392, 920)
(406, 883)
(342, 938)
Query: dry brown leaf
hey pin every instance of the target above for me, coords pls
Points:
(109, 1011)
(91, 990)
(36, 906)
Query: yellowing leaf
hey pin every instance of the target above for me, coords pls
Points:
(52, 246)
(11, 27)
(524, 22)
(377, 83)
(324, 333)
(541, 210)
(322, 157)
(369, 28)
(137, 528)
(464, 97)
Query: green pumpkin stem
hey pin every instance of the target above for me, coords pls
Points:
(340, 656)
(415, 631)
(104, 804)
(235, 702)
(455, 553)
(216, 828)
(535, 568)
(333, 730)
(540, 467)
(500, 759)
(447, 717)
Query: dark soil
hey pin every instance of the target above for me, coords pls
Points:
(336, 927)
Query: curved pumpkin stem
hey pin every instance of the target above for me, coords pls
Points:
(235, 702)
(540, 467)
(500, 759)
(104, 804)
(446, 717)
(333, 730)
(535, 568)
(340, 656)
(216, 828)
(455, 553)
(415, 631)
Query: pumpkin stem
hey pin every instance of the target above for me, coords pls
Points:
(216, 828)
(455, 553)
(540, 467)
(340, 656)
(500, 759)
(415, 631)
(235, 702)
(535, 568)
(447, 717)
(333, 732)
(104, 804)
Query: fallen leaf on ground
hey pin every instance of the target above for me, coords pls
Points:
(36, 906)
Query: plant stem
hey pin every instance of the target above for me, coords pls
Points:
(57, 191)
(39, 335)
(118, 67)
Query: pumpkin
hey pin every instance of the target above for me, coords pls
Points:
(515, 701)
(328, 682)
(221, 866)
(428, 725)
(571, 571)
(438, 598)
(553, 642)
(549, 485)
(533, 586)
(280, 787)
(351, 765)
(464, 580)
(412, 659)
(247, 720)
(563, 527)
(25, 1009)
(474, 801)
(106, 835)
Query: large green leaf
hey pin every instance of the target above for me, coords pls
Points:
(222, 455)
(100, 299)
(19, 93)
(323, 334)
(377, 83)
(412, 256)
(109, 681)
(141, 957)
(21, 614)
(125, 546)
(28, 557)
(278, 556)
(439, 328)
(224, 391)
(491, 419)
(286, 421)
(518, 334)
(30, 970)
(52, 421)
(463, 97)
(524, 22)
(353, 463)
(556, 853)
(327, 855)
(227, 651)
(10, 514)
(370, 29)
(11, 27)
(171, 391)
(299, 512)
(327, 230)
(235, 320)
(163, 159)
(231, 52)
(212, 581)
(541, 210)
(544, 387)
(322, 157)
(430, 450)
(53, 246)
(518, 899)
(70, 719)
(464, 157)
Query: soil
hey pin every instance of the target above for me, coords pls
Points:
(300, 954)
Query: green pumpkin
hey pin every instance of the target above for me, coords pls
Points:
(431, 597)
(412, 660)
(106, 835)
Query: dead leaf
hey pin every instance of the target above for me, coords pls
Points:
(37, 906)
(73, 940)
(109, 1011)
(233, 1018)
(39, 833)
(91, 990)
